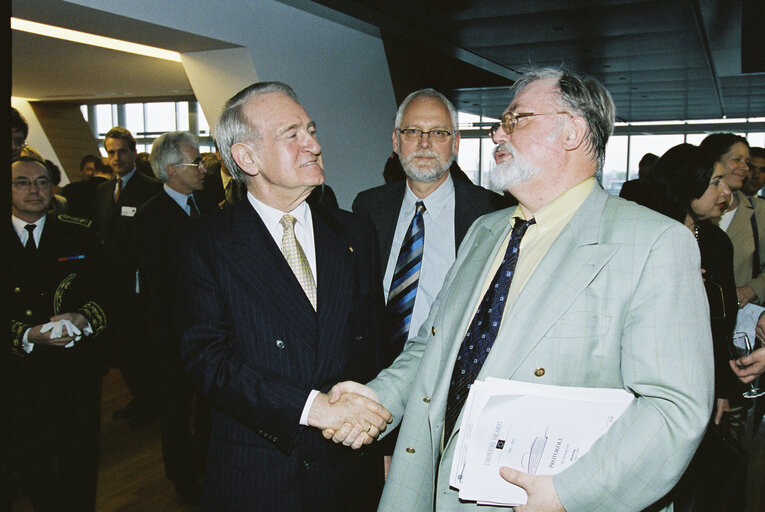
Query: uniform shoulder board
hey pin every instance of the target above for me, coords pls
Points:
(75, 220)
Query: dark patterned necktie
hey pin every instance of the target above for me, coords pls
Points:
(483, 329)
(403, 286)
(193, 212)
(31, 246)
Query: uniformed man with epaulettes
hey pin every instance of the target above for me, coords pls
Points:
(54, 359)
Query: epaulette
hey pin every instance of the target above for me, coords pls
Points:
(75, 220)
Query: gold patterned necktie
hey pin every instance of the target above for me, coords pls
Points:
(296, 258)
(118, 190)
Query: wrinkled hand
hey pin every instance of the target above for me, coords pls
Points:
(542, 494)
(750, 367)
(745, 295)
(41, 335)
(365, 417)
(346, 433)
(722, 405)
(78, 319)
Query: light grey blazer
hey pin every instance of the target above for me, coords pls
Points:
(618, 302)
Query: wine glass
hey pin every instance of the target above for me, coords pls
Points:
(742, 347)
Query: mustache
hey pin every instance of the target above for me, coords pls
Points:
(506, 147)
(420, 153)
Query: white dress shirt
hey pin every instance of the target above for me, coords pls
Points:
(438, 252)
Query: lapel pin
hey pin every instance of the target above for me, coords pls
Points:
(350, 249)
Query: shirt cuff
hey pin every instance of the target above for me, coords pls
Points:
(308, 403)
(26, 346)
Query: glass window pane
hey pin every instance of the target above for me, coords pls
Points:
(466, 120)
(204, 128)
(487, 160)
(160, 117)
(468, 158)
(694, 138)
(615, 166)
(104, 118)
(656, 144)
(756, 139)
(182, 115)
(134, 118)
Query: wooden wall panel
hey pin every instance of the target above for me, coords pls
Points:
(68, 133)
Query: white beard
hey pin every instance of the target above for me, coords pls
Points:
(513, 171)
(425, 175)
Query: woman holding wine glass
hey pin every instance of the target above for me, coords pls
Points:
(687, 185)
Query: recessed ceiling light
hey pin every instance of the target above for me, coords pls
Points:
(93, 40)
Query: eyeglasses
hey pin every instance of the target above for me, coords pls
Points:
(24, 184)
(414, 134)
(199, 163)
(510, 119)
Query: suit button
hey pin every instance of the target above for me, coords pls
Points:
(539, 372)
(17, 289)
(359, 338)
(280, 344)
(306, 466)
(410, 450)
(426, 399)
(29, 312)
(433, 330)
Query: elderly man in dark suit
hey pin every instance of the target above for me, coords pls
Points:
(117, 202)
(160, 225)
(280, 301)
(51, 384)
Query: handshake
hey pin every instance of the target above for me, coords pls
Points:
(349, 414)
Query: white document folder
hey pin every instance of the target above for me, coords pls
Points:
(536, 428)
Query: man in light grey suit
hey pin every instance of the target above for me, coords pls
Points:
(605, 294)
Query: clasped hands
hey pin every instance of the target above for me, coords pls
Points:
(349, 414)
(61, 331)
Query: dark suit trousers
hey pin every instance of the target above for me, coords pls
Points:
(55, 420)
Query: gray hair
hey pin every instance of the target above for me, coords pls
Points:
(166, 151)
(234, 127)
(427, 93)
(586, 97)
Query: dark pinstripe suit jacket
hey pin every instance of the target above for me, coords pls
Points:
(254, 345)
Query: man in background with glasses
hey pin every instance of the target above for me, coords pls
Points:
(439, 208)
(426, 139)
(161, 224)
(52, 388)
(574, 287)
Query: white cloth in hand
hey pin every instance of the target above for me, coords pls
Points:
(58, 327)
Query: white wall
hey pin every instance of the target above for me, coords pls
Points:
(340, 74)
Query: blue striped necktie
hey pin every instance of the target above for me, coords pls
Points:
(403, 286)
(483, 329)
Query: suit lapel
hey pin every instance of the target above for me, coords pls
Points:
(568, 268)
(388, 215)
(335, 283)
(262, 264)
(571, 263)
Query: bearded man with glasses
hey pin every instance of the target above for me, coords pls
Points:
(580, 288)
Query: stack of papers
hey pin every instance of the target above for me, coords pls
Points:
(535, 428)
